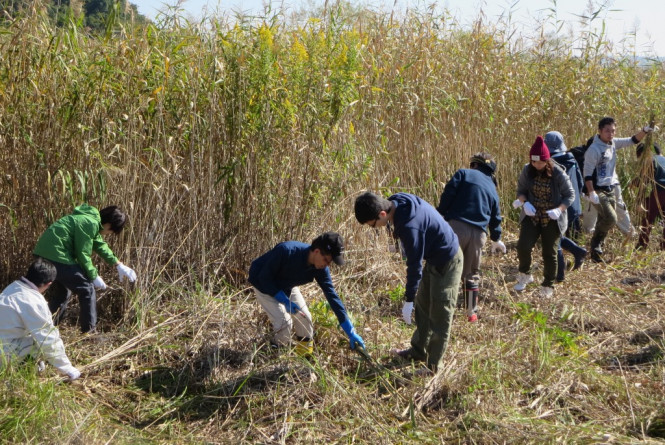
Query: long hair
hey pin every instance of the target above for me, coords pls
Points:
(549, 167)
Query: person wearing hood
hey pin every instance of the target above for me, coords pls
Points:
(654, 204)
(26, 327)
(601, 156)
(470, 204)
(68, 243)
(544, 193)
(433, 288)
(276, 276)
(557, 148)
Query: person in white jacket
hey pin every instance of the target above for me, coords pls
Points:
(26, 327)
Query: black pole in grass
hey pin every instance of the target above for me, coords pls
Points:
(379, 370)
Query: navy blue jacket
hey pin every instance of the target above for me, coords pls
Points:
(424, 234)
(285, 266)
(569, 164)
(471, 197)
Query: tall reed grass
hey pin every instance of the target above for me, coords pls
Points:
(223, 137)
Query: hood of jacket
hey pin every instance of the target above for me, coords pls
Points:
(406, 206)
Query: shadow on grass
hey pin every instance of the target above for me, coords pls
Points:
(195, 400)
(647, 356)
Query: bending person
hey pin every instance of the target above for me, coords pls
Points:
(68, 243)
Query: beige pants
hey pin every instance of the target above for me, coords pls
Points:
(284, 322)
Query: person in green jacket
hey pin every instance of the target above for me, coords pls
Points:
(68, 244)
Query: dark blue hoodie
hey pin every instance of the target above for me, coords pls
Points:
(471, 197)
(424, 234)
(285, 266)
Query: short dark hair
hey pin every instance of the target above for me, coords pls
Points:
(41, 272)
(116, 217)
(640, 149)
(368, 206)
(483, 161)
(605, 121)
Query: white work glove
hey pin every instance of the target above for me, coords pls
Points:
(593, 197)
(554, 213)
(71, 372)
(517, 204)
(648, 129)
(124, 271)
(529, 209)
(99, 283)
(498, 246)
(407, 309)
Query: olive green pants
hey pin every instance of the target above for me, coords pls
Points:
(434, 309)
(607, 213)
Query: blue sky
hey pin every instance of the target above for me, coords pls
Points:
(623, 18)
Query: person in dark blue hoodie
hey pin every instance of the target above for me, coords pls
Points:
(557, 148)
(424, 235)
(470, 204)
(275, 276)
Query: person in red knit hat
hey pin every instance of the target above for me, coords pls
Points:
(544, 193)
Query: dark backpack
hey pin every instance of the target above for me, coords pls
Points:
(578, 153)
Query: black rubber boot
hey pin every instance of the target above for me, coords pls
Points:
(596, 249)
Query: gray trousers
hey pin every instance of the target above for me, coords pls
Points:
(471, 241)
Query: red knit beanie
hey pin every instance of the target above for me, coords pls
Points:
(539, 151)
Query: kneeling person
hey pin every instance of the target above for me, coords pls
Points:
(26, 328)
(275, 276)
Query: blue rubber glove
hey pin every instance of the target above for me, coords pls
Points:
(353, 337)
(288, 304)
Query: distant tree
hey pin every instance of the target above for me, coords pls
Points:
(59, 11)
(96, 13)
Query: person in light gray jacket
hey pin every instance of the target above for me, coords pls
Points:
(26, 327)
(602, 157)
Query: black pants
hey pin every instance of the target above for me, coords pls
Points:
(71, 279)
(549, 235)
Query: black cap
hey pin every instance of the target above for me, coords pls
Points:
(485, 162)
(330, 243)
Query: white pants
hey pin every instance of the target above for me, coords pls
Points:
(283, 321)
(590, 215)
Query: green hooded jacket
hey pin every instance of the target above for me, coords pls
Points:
(73, 238)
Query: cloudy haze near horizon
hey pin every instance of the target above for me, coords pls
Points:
(630, 25)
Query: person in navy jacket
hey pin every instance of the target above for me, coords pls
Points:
(424, 235)
(275, 276)
(470, 204)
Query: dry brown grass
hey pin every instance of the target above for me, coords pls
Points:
(589, 370)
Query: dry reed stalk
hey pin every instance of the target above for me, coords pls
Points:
(130, 344)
